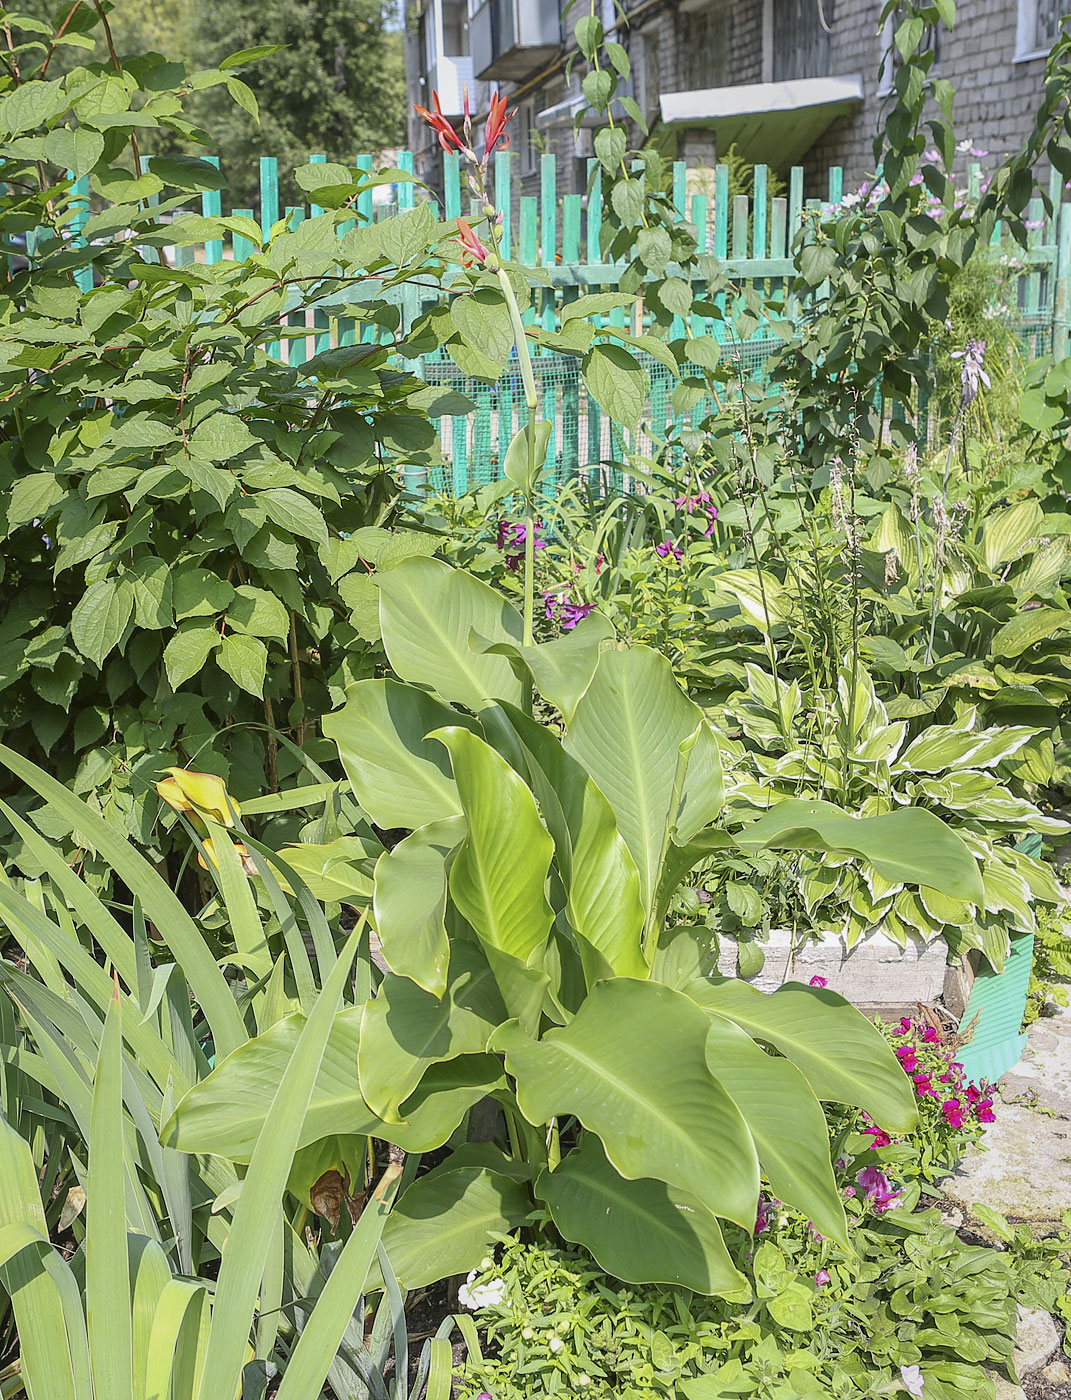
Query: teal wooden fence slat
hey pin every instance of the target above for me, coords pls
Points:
(548, 198)
(241, 248)
(212, 208)
(758, 241)
(594, 211)
(79, 218)
(451, 185)
(504, 199)
(406, 188)
(721, 213)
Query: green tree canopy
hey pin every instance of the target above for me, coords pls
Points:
(337, 87)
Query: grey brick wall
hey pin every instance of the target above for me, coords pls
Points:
(687, 44)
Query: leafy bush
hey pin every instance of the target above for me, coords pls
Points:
(811, 1325)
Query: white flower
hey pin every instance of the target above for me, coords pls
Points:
(911, 1379)
(483, 1295)
(527, 1334)
(555, 1343)
(583, 1379)
(964, 145)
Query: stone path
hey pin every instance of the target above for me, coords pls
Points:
(1023, 1169)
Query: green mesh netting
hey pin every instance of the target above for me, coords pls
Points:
(583, 440)
(584, 443)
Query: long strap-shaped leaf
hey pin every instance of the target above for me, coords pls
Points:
(108, 1317)
(246, 1250)
(311, 1358)
(37, 1299)
(158, 901)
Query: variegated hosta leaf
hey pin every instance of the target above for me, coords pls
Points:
(945, 746)
(1006, 891)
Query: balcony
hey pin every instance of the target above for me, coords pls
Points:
(510, 39)
(450, 77)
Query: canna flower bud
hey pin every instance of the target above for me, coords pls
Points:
(199, 794)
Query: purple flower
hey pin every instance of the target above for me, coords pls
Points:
(511, 539)
(821, 1278)
(907, 1057)
(983, 1111)
(767, 1209)
(973, 374)
(572, 613)
(817, 981)
(878, 1190)
(666, 549)
(878, 1136)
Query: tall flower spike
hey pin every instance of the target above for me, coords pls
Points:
(467, 125)
(472, 249)
(449, 140)
(495, 127)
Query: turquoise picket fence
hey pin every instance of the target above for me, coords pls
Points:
(750, 236)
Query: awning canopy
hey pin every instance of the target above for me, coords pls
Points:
(770, 123)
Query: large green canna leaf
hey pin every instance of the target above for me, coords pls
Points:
(786, 1123)
(399, 776)
(640, 1231)
(627, 732)
(499, 875)
(601, 881)
(406, 1030)
(841, 1055)
(225, 1112)
(444, 1223)
(561, 669)
(632, 1067)
(703, 794)
(428, 612)
(911, 846)
(409, 903)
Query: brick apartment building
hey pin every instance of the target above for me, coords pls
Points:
(789, 81)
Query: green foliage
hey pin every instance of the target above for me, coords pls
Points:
(185, 517)
(791, 743)
(541, 941)
(913, 1295)
(1042, 1263)
(1050, 971)
(336, 86)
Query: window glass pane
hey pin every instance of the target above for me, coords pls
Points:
(800, 40)
(1047, 24)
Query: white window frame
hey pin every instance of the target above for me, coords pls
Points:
(1025, 30)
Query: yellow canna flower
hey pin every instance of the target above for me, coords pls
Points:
(199, 793)
(243, 855)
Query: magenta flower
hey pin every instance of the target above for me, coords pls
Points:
(923, 1086)
(572, 613)
(767, 1209)
(511, 539)
(983, 1111)
(821, 1278)
(667, 549)
(903, 1027)
(929, 1035)
(877, 1188)
(907, 1057)
(953, 1112)
(878, 1137)
(817, 981)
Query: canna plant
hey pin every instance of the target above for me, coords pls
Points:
(521, 908)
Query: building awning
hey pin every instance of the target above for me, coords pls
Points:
(770, 123)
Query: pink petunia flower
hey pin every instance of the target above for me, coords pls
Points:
(912, 1381)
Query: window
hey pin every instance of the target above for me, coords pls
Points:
(800, 39)
(1037, 29)
(647, 72)
(890, 54)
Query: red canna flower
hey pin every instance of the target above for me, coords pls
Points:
(473, 249)
(495, 126)
(449, 140)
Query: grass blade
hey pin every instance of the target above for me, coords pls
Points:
(159, 902)
(311, 1359)
(108, 1311)
(246, 1252)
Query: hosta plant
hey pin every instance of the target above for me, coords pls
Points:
(521, 915)
(789, 743)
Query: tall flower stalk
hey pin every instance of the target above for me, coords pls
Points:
(489, 255)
